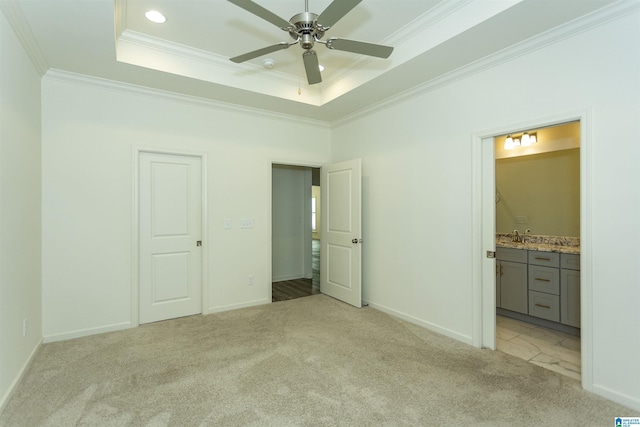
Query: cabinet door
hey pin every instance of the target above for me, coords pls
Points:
(513, 286)
(570, 297)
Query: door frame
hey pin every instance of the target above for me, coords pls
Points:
(483, 235)
(269, 214)
(137, 151)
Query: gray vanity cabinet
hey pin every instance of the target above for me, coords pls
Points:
(539, 284)
(511, 279)
(570, 289)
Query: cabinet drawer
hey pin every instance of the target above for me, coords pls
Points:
(546, 259)
(570, 261)
(544, 279)
(511, 254)
(545, 306)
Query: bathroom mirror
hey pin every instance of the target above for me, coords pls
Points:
(538, 186)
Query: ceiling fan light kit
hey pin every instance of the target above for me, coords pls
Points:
(308, 28)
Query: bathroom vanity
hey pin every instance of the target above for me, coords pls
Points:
(538, 281)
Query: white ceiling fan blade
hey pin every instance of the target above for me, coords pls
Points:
(362, 48)
(335, 11)
(312, 67)
(260, 52)
(263, 13)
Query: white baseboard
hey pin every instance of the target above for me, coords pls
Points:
(86, 332)
(622, 399)
(427, 325)
(18, 378)
(229, 307)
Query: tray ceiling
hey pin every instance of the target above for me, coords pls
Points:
(189, 54)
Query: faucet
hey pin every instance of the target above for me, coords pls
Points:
(516, 236)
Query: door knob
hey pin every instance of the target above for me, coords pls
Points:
(356, 241)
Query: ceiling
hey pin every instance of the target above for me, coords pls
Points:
(189, 54)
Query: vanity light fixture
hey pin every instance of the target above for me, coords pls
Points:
(524, 140)
(155, 16)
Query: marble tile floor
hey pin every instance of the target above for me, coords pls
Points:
(544, 347)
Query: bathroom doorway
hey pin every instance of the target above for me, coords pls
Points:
(537, 213)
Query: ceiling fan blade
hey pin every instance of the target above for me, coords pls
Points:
(312, 67)
(363, 48)
(335, 11)
(260, 52)
(263, 13)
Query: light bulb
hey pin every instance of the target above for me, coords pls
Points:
(508, 143)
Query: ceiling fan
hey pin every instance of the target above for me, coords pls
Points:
(308, 28)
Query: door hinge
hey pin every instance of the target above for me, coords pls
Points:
(491, 254)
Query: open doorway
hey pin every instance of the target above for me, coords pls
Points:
(537, 181)
(295, 232)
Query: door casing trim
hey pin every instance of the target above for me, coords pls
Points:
(484, 289)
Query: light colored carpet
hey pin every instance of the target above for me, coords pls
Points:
(310, 361)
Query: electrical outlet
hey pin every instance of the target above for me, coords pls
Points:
(24, 327)
(250, 280)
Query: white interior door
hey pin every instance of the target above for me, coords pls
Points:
(170, 236)
(341, 241)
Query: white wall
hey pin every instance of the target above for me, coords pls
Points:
(20, 210)
(291, 238)
(88, 138)
(418, 188)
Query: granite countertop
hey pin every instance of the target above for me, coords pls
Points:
(567, 245)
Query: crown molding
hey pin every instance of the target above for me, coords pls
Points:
(580, 25)
(13, 12)
(427, 20)
(188, 52)
(158, 94)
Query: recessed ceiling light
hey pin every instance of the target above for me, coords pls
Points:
(155, 16)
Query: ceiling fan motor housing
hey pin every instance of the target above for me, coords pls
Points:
(306, 29)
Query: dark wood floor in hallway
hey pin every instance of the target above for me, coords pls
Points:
(292, 289)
